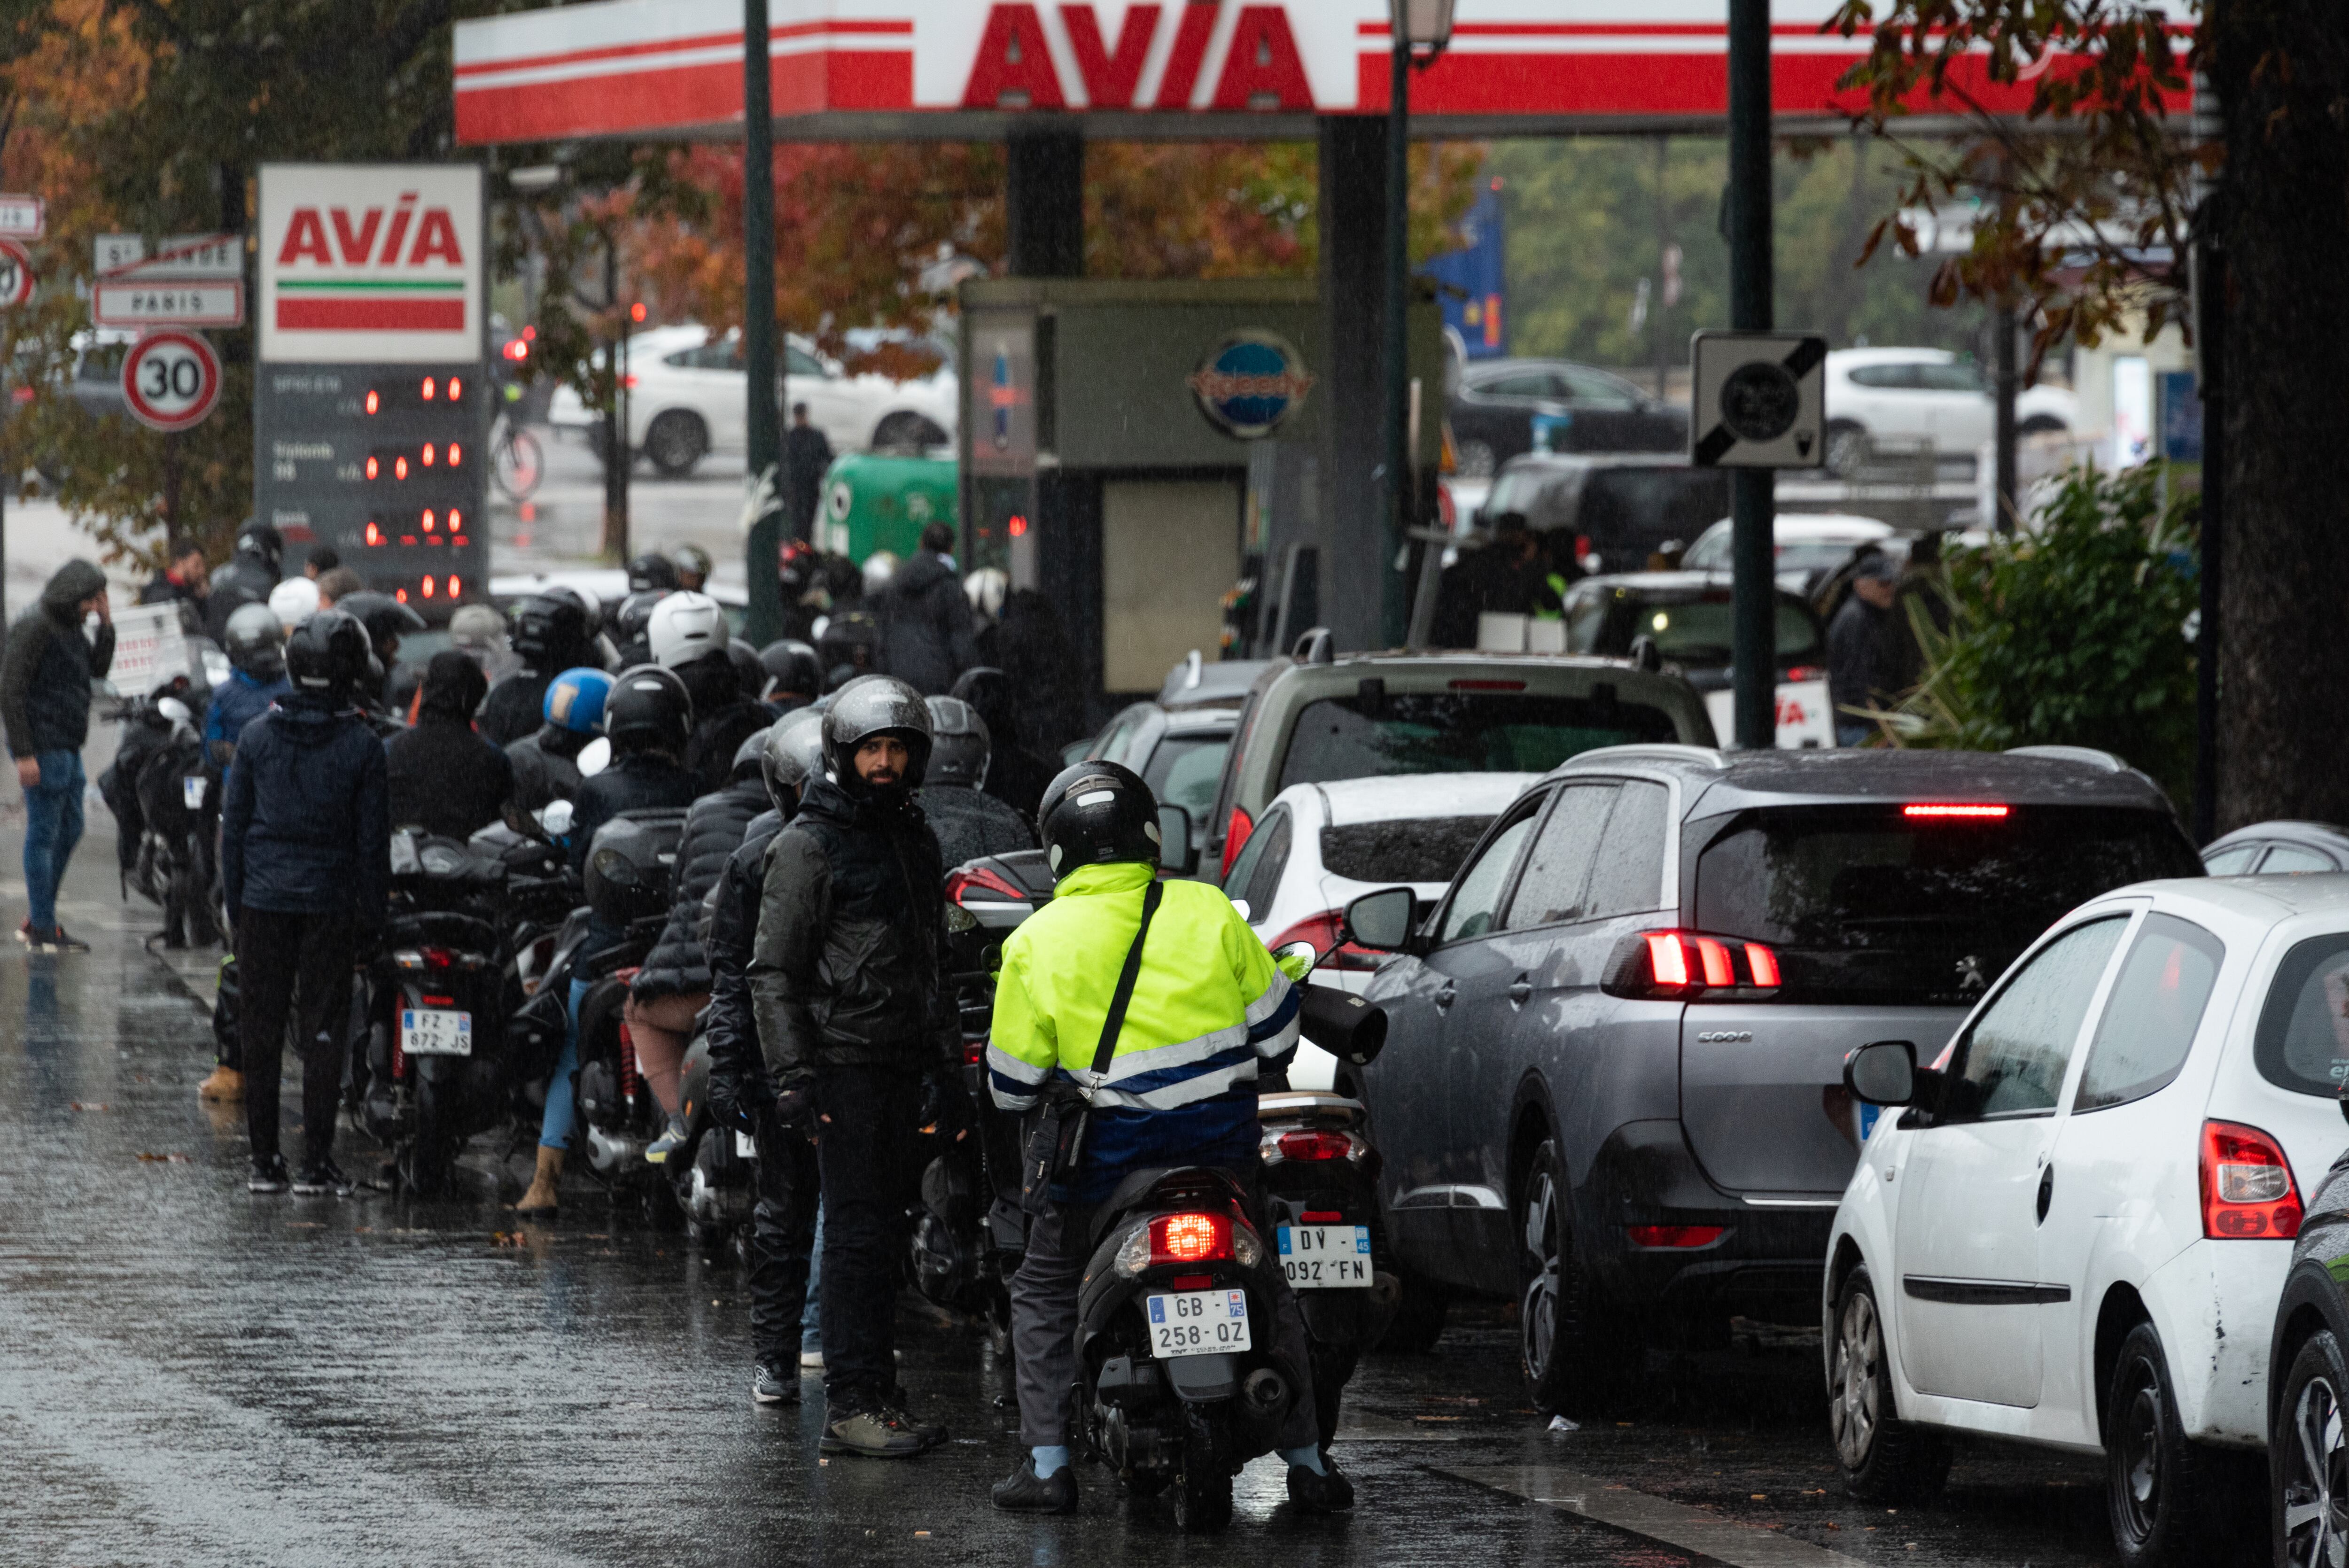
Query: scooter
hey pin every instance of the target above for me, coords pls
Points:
(1175, 1319)
(164, 800)
(436, 1010)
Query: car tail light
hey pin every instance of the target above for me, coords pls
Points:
(1675, 1235)
(1190, 1238)
(1959, 811)
(1235, 836)
(1804, 673)
(974, 1051)
(1325, 932)
(1688, 965)
(2247, 1187)
(989, 885)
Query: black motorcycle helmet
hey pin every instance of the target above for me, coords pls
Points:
(792, 669)
(256, 642)
(1097, 813)
(262, 543)
(960, 745)
(868, 708)
(386, 620)
(790, 753)
(636, 613)
(652, 571)
(550, 629)
(648, 710)
(748, 671)
(749, 759)
(328, 654)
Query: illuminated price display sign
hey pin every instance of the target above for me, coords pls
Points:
(388, 463)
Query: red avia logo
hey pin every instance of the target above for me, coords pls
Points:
(1261, 70)
(434, 238)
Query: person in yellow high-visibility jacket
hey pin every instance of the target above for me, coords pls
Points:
(1209, 1010)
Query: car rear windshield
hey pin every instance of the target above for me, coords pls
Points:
(1865, 903)
(1458, 732)
(1642, 508)
(1689, 630)
(1405, 850)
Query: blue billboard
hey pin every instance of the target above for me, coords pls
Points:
(1471, 283)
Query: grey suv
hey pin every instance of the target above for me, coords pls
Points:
(1612, 1083)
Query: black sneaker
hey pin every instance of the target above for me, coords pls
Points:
(55, 940)
(320, 1177)
(268, 1175)
(1331, 1493)
(875, 1434)
(932, 1433)
(771, 1384)
(1024, 1493)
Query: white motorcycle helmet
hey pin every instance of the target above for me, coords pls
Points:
(294, 601)
(686, 626)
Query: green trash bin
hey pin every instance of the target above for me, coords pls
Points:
(876, 500)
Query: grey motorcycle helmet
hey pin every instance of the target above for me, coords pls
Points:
(791, 752)
(256, 642)
(870, 707)
(750, 758)
(960, 745)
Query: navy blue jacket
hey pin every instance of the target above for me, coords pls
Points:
(238, 701)
(306, 820)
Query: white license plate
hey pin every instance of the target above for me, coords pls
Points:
(191, 791)
(1198, 1323)
(429, 1032)
(1326, 1257)
(745, 1146)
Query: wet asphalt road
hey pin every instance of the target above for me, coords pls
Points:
(196, 1375)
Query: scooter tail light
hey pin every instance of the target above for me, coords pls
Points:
(2247, 1192)
(1190, 1238)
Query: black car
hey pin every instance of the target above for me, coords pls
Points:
(2272, 848)
(1508, 406)
(2308, 1385)
(1620, 507)
(1687, 615)
(1612, 1087)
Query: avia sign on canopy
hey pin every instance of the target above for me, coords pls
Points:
(1134, 69)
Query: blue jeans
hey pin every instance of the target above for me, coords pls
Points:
(52, 829)
(811, 1315)
(555, 1124)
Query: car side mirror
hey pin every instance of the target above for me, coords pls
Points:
(1381, 921)
(1884, 1073)
(522, 820)
(1175, 853)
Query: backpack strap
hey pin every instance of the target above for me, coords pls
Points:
(1115, 1024)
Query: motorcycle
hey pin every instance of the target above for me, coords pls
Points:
(435, 1009)
(1179, 1387)
(164, 795)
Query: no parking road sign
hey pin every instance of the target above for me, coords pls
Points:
(171, 380)
(1759, 400)
(15, 274)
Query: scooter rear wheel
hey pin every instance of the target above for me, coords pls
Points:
(1203, 1490)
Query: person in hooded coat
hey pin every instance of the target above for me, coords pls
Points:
(445, 779)
(247, 579)
(44, 678)
(1015, 776)
(672, 986)
(1033, 650)
(926, 625)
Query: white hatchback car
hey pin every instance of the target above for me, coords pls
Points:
(2077, 1234)
(1911, 396)
(1320, 846)
(688, 397)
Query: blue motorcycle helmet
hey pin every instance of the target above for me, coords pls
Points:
(574, 700)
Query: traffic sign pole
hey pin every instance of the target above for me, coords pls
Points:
(1752, 496)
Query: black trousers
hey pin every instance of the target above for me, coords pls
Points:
(782, 1241)
(867, 1150)
(297, 968)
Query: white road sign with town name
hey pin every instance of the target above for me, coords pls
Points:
(179, 257)
(23, 217)
(162, 303)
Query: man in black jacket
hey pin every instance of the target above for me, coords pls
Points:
(741, 1095)
(306, 855)
(925, 630)
(445, 779)
(860, 1032)
(1015, 775)
(552, 633)
(250, 574)
(45, 702)
(672, 984)
(807, 454)
(1859, 647)
(969, 823)
(546, 761)
(184, 576)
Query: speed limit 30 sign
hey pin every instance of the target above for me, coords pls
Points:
(15, 274)
(171, 380)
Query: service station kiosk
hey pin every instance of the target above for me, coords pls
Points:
(1137, 449)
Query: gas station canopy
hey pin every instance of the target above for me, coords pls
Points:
(1134, 70)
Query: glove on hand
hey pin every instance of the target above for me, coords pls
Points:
(795, 1109)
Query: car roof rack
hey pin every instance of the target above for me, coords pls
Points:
(1658, 751)
(1318, 646)
(2087, 755)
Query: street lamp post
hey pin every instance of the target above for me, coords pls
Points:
(1418, 31)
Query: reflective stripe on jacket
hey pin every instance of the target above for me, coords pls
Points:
(1209, 1006)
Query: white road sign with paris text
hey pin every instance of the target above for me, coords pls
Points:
(180, 257)
(168, 305)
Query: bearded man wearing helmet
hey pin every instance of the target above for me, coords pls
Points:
(856, 1017)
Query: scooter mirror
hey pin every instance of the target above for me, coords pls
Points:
(595, 757)
(1304, 949)
(175, 710)
(555, 817)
